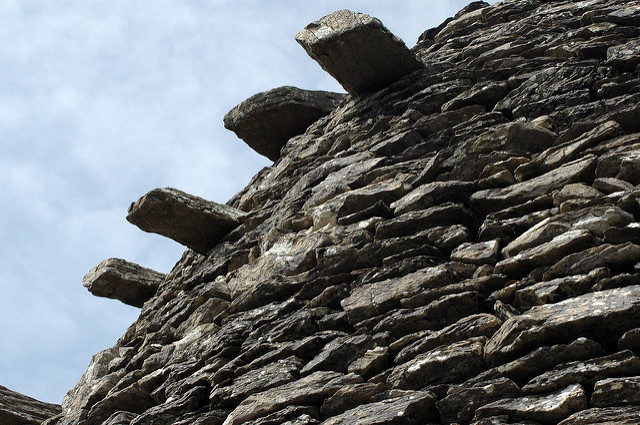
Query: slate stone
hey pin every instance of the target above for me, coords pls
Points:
(461, 402)
(18, 409)
(477, 253)
(616, 392)
(267, 120)
(623, 363)
(307, 391)
(605, 315)
(351, 396)
(187, 219)
(447, 364)
(412, 409)
(627, 415)
(550, 408)
(617, 257)
(495, 199)
(122, 280)
(357, 50)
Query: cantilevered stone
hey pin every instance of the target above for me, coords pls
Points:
(192, 221)
(121, 280)
(267, 120)
(358, 51)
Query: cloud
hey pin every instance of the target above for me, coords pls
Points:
(104, 100)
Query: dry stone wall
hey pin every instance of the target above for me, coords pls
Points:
(459, 246)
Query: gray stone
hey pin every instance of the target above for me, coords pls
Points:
(616, 392)
(306, 391)
(187, 219)
(605, 315)
(122, 280)
(267, 120)
(587, 372)
(550, 408)
(478, 253)
(447, 364)
(414, 408)
(461, 402)
(357, 50)
(18, 409)
(627, 415)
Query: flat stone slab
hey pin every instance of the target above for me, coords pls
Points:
(267, 120)
(121, 280)
(192, 221)
(358, 51)
(18, 409)
(607, 314)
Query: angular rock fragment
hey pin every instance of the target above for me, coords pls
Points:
(414, 408)
(446, 364)
(627, 415)
(623, 363)
(358, 51)
(616, 257)
(267, 120)
(461, 402)
(616, 392)
(192, 221)
(625, 56)
(306, 391)
(496, 199)
(351, 396)
(550, 408)
(18, 409)
(604, 315)
(477, 253)
(122, 280)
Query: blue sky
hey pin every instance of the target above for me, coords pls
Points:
(101, 101)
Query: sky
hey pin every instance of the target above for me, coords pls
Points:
(104, 100)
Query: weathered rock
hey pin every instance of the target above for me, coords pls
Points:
(461, 402)
(267, 120)
(307, 391)
(477, 253)
(545, 254)
(572, 172)
(448, 364)
(587, 372)
(616, 392)
(550, 408)
(122, 280)
(187, 219)
(624, 56)
(18, 409)
(604, 315)
(357, 50)
(412, 409)
(604, 415)
(351, 396)
(617, 257)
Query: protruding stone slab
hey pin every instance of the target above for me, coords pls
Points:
(267, 120)
(18, 409)
(192, 221)
(358, 51)
(121, 280)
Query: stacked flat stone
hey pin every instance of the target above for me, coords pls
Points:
(460, 246)
(18, 409)
(122, 280)
(190, 220)
(267, 120)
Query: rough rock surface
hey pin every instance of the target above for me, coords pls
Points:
(357, 50)
(122, 280)
(457, 245)
(267, 120)
(18, 409)
(188, 219)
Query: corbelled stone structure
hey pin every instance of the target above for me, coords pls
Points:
(457, 244)
(267, 120)
(122, 280)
